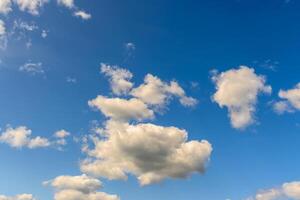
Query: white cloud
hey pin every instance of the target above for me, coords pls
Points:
(32, 68)
(2, 28)
(83, 15)
(237, 89)
(130, 46)
(122, 109)
(150, 152)
(270, 194)
(5, 6)
(3, 36)
(31, 6)
(289, 191)
(21, 137)
(78, 188)
(156, 92)
(62, 134)
(66, 3)
(18, 197)
(44, 33)
(292, 190)
(290, 102)
(25, 26)
(119, 78)
(71, 79)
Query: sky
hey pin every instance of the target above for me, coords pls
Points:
(143, 100)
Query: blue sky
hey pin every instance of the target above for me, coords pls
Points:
(226, 72)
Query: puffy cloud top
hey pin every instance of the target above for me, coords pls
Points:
(122, 109)
(78, 188)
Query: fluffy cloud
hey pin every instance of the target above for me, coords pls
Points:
(32, 68)
(61, 134)
(5, 6)
(237, 89)
(21, 137)
(83, 15)
(66, 3)
(119, 78)
(290, 102)
(78, 188)
(31, 6)
(18, 197)
(289, 190)
(150, 152)
(122, 109)
(156, 92)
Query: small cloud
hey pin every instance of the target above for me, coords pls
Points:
(67, 3)
(130, 46)
(71, 79)
(28, 44)
(83, 15)
(44, 34)
(32, 68)
(129, 50)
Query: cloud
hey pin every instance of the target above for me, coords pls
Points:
(80, 187)
(290, 102)
(71, 79)
(5, 6)
(156, 92)
(32, 68)
(3, 36)
(130, 46)
(66, 3)
(119, 78)
(122, 109)
(31, 6)
(2, 28)
(25, 26)
(61, 134)
(237, 89)
(18, 197)
(289, 190)
(44, 34)
(82, 14)
(21, 137)
(150, 152)
(270, 194)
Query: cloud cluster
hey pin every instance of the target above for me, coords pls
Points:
(237, 89)
(21, 137)
(150, 152)
(80, 187)
(33, 7)
(290, 102)
(32, 68)
(18, 197)
(289, 190)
